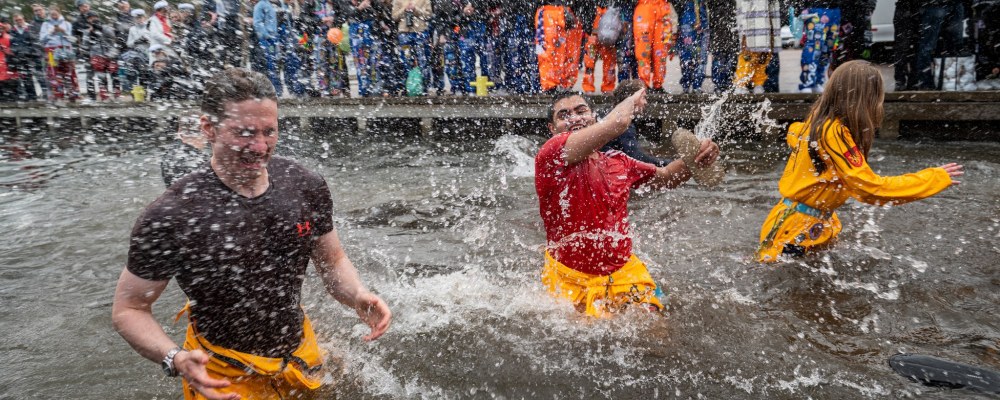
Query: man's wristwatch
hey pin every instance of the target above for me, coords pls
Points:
(168, 362)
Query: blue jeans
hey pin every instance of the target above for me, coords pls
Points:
(413, 48)
(268, 63)
(475, 42)
(520, 64)
(723, 69)
(367, 52)
(628, 67)
(821, 37)
(937, 22)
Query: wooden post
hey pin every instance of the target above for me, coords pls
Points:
(889, 129)
(426, 127)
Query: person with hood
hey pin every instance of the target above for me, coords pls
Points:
(57, 40)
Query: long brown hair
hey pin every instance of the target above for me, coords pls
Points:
(853, 95)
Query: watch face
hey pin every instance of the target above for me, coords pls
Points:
(167, 368)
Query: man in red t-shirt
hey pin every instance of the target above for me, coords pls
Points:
(583, 200)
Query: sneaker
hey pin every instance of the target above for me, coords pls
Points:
(741, 90)
(686, 90)
(818, 89)
(806, 90)
(758, 90)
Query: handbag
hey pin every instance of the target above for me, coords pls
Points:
(64, 53)
(610, 26)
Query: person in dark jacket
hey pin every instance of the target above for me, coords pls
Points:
(39, 14)
(906, 24)
(940, 19)
(24, 57)
(723, 43)
(444, 46)
(628, 141)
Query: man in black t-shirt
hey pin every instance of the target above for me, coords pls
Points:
(238, 237)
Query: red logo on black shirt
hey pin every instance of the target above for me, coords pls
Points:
(304, 228)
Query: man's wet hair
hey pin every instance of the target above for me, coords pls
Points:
(234, 85)
(566, 95)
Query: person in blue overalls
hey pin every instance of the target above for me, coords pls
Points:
(516, 47)
(822, 26)
(366, 44)
(474, 40)
(692, 44)
(265, 26)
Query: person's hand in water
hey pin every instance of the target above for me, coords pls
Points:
(191, 365)
(707, 154)
(374, 312)
(954, 170)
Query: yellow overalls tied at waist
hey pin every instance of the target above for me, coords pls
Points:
(601, 294)
(256, 377)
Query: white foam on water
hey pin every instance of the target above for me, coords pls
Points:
(519, 152)
(920, 266)
(734, 296)
(891, 293)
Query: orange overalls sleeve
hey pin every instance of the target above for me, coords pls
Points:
(868, 187)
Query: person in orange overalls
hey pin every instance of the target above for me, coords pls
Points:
(558, 39)
(654, 37)
(828, 166)
(595, 50)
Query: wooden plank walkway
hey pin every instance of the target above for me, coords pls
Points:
(904, 106)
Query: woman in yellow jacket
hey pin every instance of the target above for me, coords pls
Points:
(828, 165)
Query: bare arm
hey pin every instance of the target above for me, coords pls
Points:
(132, 316)
(343, 283)
(581, 144)
(671, 175)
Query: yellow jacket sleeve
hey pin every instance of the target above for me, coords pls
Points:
(865, 185)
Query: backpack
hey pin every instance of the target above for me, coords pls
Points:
(610, 26)
(414, 82)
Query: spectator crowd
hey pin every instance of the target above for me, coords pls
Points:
(438, 47)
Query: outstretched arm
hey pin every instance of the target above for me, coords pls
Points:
(581, 144)
(342, 282)
(132, 316)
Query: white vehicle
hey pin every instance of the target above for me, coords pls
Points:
(882, 28)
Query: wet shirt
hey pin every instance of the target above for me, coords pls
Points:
(241, 261)
(181, 159)
(847, 174)
(585, 206)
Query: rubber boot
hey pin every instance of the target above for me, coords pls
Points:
(687, 145)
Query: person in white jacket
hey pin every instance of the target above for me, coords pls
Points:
(160, 29)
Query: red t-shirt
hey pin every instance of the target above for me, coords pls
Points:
(585, 206)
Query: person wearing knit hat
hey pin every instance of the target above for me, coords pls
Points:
(185, 6)
(137, 12)
(160, 29)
